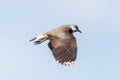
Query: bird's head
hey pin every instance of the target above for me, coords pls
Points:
(75, 28)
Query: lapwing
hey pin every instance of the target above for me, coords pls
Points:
(62, 43)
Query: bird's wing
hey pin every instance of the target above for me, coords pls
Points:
(64, 51)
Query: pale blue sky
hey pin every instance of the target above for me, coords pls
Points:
(98, 46)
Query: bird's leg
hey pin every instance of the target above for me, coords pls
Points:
(32, 39)
(39, 39)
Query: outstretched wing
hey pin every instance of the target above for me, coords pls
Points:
(64, 51)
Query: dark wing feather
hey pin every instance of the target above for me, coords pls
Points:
(64, 51)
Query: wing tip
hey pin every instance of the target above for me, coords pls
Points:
(69, 63)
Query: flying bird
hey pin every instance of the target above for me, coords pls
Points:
(62, 43)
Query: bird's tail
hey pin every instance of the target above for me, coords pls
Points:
(39, 39)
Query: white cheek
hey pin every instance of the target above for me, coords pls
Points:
(74, 29)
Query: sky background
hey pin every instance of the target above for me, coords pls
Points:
(98, 45)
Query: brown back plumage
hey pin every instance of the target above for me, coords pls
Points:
(64, 51)
(62, 43)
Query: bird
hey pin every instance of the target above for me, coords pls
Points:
(62, 43)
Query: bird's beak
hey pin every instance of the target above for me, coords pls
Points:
(79, 31)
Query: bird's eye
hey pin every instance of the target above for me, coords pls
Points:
(70, 31)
